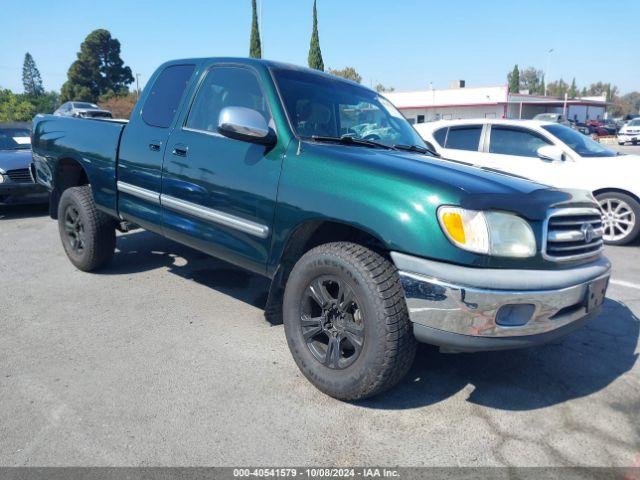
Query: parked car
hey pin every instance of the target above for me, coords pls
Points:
(630, 132)
(370, 242)
(551, 117)
(82, 109)
(551, 154)
(17, 184)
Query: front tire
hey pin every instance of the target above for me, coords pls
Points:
(88, 235)
(621, 215)
(346, 321)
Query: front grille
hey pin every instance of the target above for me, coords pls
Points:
(573, 233)
(20, 175)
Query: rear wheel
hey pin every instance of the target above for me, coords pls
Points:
(88, 235)
(346, 321)
(621, 215)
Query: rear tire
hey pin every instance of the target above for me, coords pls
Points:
(364, 319)
(88, 235)
(621, 214)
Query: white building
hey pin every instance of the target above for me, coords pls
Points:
(491, 102)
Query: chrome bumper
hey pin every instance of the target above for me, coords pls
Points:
(454, 306)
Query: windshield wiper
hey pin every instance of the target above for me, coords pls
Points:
(416, 148)
(349, 140)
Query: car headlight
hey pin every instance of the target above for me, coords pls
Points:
(1, 178)
(491, 233)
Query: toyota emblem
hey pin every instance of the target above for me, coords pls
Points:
(587, 232)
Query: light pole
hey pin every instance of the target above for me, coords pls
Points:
(137, 85)
(549, 52)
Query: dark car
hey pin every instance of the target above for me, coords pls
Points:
(17, 183)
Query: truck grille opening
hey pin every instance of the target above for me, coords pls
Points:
(20, 175)
(573, 234)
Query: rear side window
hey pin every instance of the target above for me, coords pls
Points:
(440, 136)
(464, 138)
(511, 141)
(163, 100)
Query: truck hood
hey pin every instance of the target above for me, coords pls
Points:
(14, 159)
(477, 188)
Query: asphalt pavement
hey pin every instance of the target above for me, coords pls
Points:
(165, 358)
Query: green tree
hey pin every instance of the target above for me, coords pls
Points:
(514, 80)
(348, 72)
(14, 108)
(573, 89)
(98, 69)
(315, 54)
(542, 89)
(532, 80)
(558, 88)
(31, 79)
(626, 104)
(255, 46)
(380, 88)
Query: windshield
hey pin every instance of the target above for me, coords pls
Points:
(15, 139)
(84, 105)
(579, 143)
(320, 106)
(634, 123)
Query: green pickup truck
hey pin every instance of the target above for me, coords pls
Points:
(371, 242)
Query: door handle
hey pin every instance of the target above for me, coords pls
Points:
(154, 147)
(179, 151)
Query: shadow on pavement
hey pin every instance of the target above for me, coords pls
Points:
(9, 212)
(580, 364)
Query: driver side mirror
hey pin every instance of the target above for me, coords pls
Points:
(241, 123)
(550, 153)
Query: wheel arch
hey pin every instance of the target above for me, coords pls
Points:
(600, 191)
(69, 173)
(305, 237)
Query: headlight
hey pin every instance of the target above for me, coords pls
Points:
(490, 233)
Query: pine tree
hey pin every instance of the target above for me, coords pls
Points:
(543, 88)
(98, 69)
(31, 79)
(315, 54)
(573, 89)
(255, 46)
(514, 80)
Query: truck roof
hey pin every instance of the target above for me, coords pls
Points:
(269, 64)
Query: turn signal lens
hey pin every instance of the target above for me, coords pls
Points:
(452, 222)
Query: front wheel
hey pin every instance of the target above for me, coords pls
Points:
(620, 217)
(346, 321)
(88, 235)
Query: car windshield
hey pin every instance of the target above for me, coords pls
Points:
(322, 106)
(84, 105)
(15, 139)
(634, 123)
(579, 143)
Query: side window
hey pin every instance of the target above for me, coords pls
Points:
(464, 138)
(512, 141)
(164, 99)
(440, 136)
(225, 87)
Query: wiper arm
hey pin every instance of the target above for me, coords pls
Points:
(349, 140)
(416, 148)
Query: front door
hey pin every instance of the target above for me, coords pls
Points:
(219, 194)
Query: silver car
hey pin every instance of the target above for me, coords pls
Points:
(82, 109)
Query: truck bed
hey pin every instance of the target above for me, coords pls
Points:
(93, 144)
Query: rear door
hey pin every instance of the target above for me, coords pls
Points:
(219, 194)
(143, 145)
(461, 142)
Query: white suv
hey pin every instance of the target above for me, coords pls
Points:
(552, 154)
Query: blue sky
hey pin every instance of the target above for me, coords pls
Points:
(403, 43)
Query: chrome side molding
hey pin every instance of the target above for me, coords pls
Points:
(143, 193)
(195, 210)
